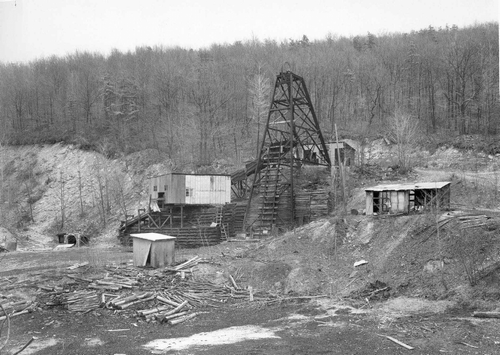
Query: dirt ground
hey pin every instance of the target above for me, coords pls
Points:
(328, 324)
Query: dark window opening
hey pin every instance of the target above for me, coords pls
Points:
(161, 199)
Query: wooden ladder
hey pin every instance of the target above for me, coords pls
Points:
(218, 219)
(269, 189)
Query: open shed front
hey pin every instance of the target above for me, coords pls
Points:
(406, 198)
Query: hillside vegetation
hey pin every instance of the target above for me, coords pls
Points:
(197, 107)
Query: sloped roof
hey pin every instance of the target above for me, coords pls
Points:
(341, 145)
(410, 186)
(188, 174)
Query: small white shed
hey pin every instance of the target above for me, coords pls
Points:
(153, 249)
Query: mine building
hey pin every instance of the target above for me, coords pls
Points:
(407, 198)
(343, 149)
(194, 208)
(190, 189)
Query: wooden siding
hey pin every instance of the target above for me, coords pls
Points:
(155, 252)
(142, 248)
(188, 189)
(176, 190)
(173, 187)
(399, 201)
(369, 202)
(208, 190)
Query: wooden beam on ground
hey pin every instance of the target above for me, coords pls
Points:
(486, 314)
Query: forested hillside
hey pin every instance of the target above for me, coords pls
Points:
(195, 107)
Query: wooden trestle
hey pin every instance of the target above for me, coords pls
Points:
(193, 226)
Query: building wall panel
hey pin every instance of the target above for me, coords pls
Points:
(192, 189)
(369, 202)
(141, 251)
(178, 192)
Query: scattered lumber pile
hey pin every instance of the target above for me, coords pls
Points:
(114, 282)
(7, 283)
(457, 220)
(473, 221)
(186, 266)
(83, 301)
(312, 205)
(170, 295)
(11, 283)
(320, 204)
(14, 308)
(77, 265)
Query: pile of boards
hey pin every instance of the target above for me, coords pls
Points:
(170, 295)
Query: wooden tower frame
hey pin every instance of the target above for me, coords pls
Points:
(292, 137)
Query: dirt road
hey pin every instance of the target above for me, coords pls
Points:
(486, 178)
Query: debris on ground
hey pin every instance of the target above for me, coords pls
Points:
(14, 308)
(170, 295)
(373, 291)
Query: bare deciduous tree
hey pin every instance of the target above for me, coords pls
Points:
(404, 129)
(62, 197)
(259, 91)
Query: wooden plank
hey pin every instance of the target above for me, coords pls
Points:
(486, 314)
(369, 203)
(141, 250)
(394, 340)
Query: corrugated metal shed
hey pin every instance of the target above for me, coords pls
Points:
(191, 189)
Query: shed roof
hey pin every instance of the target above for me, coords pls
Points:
(340, 145)
(152, 236)
(412, 186)
(188, 174)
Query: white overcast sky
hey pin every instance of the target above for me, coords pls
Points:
(31, 29)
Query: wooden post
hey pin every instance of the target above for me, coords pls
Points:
(341, 170)
(182, 216)
(292, 137)
(139, 219)
(171, 216)
(334, 182)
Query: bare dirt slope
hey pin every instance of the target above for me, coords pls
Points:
(44, 182)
